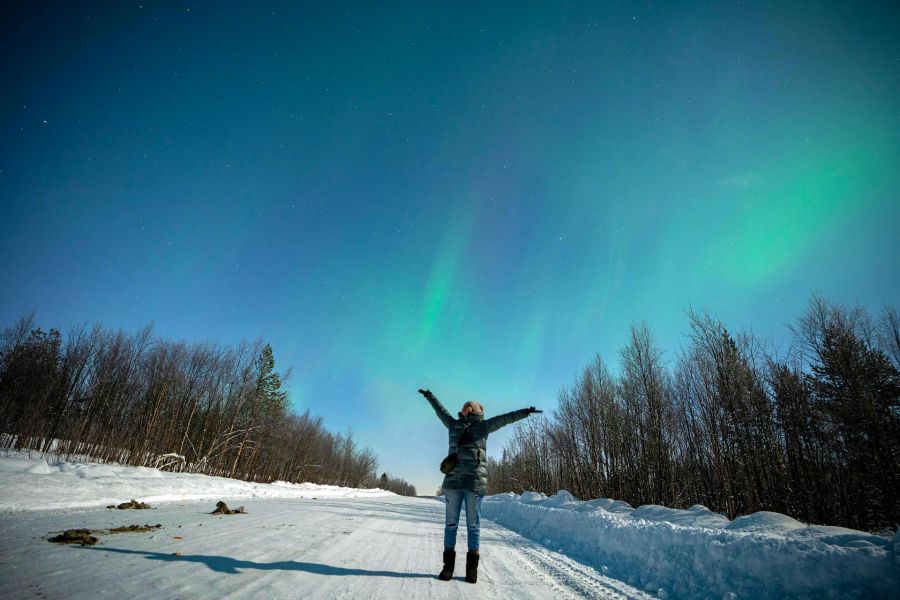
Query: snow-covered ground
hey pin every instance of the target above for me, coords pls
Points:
(697, 553)
(322, 541)
(34, 484)
(342, 544)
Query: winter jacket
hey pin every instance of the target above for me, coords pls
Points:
(471, 466)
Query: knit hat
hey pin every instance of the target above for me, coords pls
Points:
(475, 406)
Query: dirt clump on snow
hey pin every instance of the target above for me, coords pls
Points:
(86, 537)
(75, 536)
(135, 528)
(134, 504)
(222, 509)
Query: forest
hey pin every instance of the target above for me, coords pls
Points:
(146, 401)
(811, 430)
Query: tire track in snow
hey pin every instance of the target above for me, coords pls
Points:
(567, 576)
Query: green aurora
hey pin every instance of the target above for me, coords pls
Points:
(472, 198)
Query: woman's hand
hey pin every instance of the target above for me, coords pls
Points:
(426, 393)
(532, 410)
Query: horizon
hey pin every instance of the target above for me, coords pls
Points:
(475, 201)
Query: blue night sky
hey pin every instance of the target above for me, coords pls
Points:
(471, 197)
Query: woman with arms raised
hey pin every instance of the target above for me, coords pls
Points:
(465, 470)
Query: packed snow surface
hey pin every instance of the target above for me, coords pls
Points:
(303, 540)
(346, 545)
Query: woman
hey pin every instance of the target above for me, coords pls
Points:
(467, 482)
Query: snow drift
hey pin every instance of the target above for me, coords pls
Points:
(697, 553)
(34, 484)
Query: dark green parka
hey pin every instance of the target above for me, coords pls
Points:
(471, 466)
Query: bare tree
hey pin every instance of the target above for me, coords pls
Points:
(141, 400)
(814, 434)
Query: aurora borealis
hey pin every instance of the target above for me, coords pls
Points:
(475, 199)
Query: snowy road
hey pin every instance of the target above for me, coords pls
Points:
(356, 548)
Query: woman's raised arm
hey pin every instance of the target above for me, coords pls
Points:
(439, 409)
(495, 423)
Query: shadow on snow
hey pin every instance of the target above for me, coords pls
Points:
(225, 564)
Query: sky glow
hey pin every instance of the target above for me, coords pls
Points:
(475, 199)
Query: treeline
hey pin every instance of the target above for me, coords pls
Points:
(394, 484)
(813, 432)
(145, 401)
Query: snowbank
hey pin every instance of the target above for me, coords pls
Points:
(696, 553)
(34, 484)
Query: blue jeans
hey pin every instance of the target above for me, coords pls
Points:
(454, 500)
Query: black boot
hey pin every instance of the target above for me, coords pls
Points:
(449, 563)
(471, 567)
